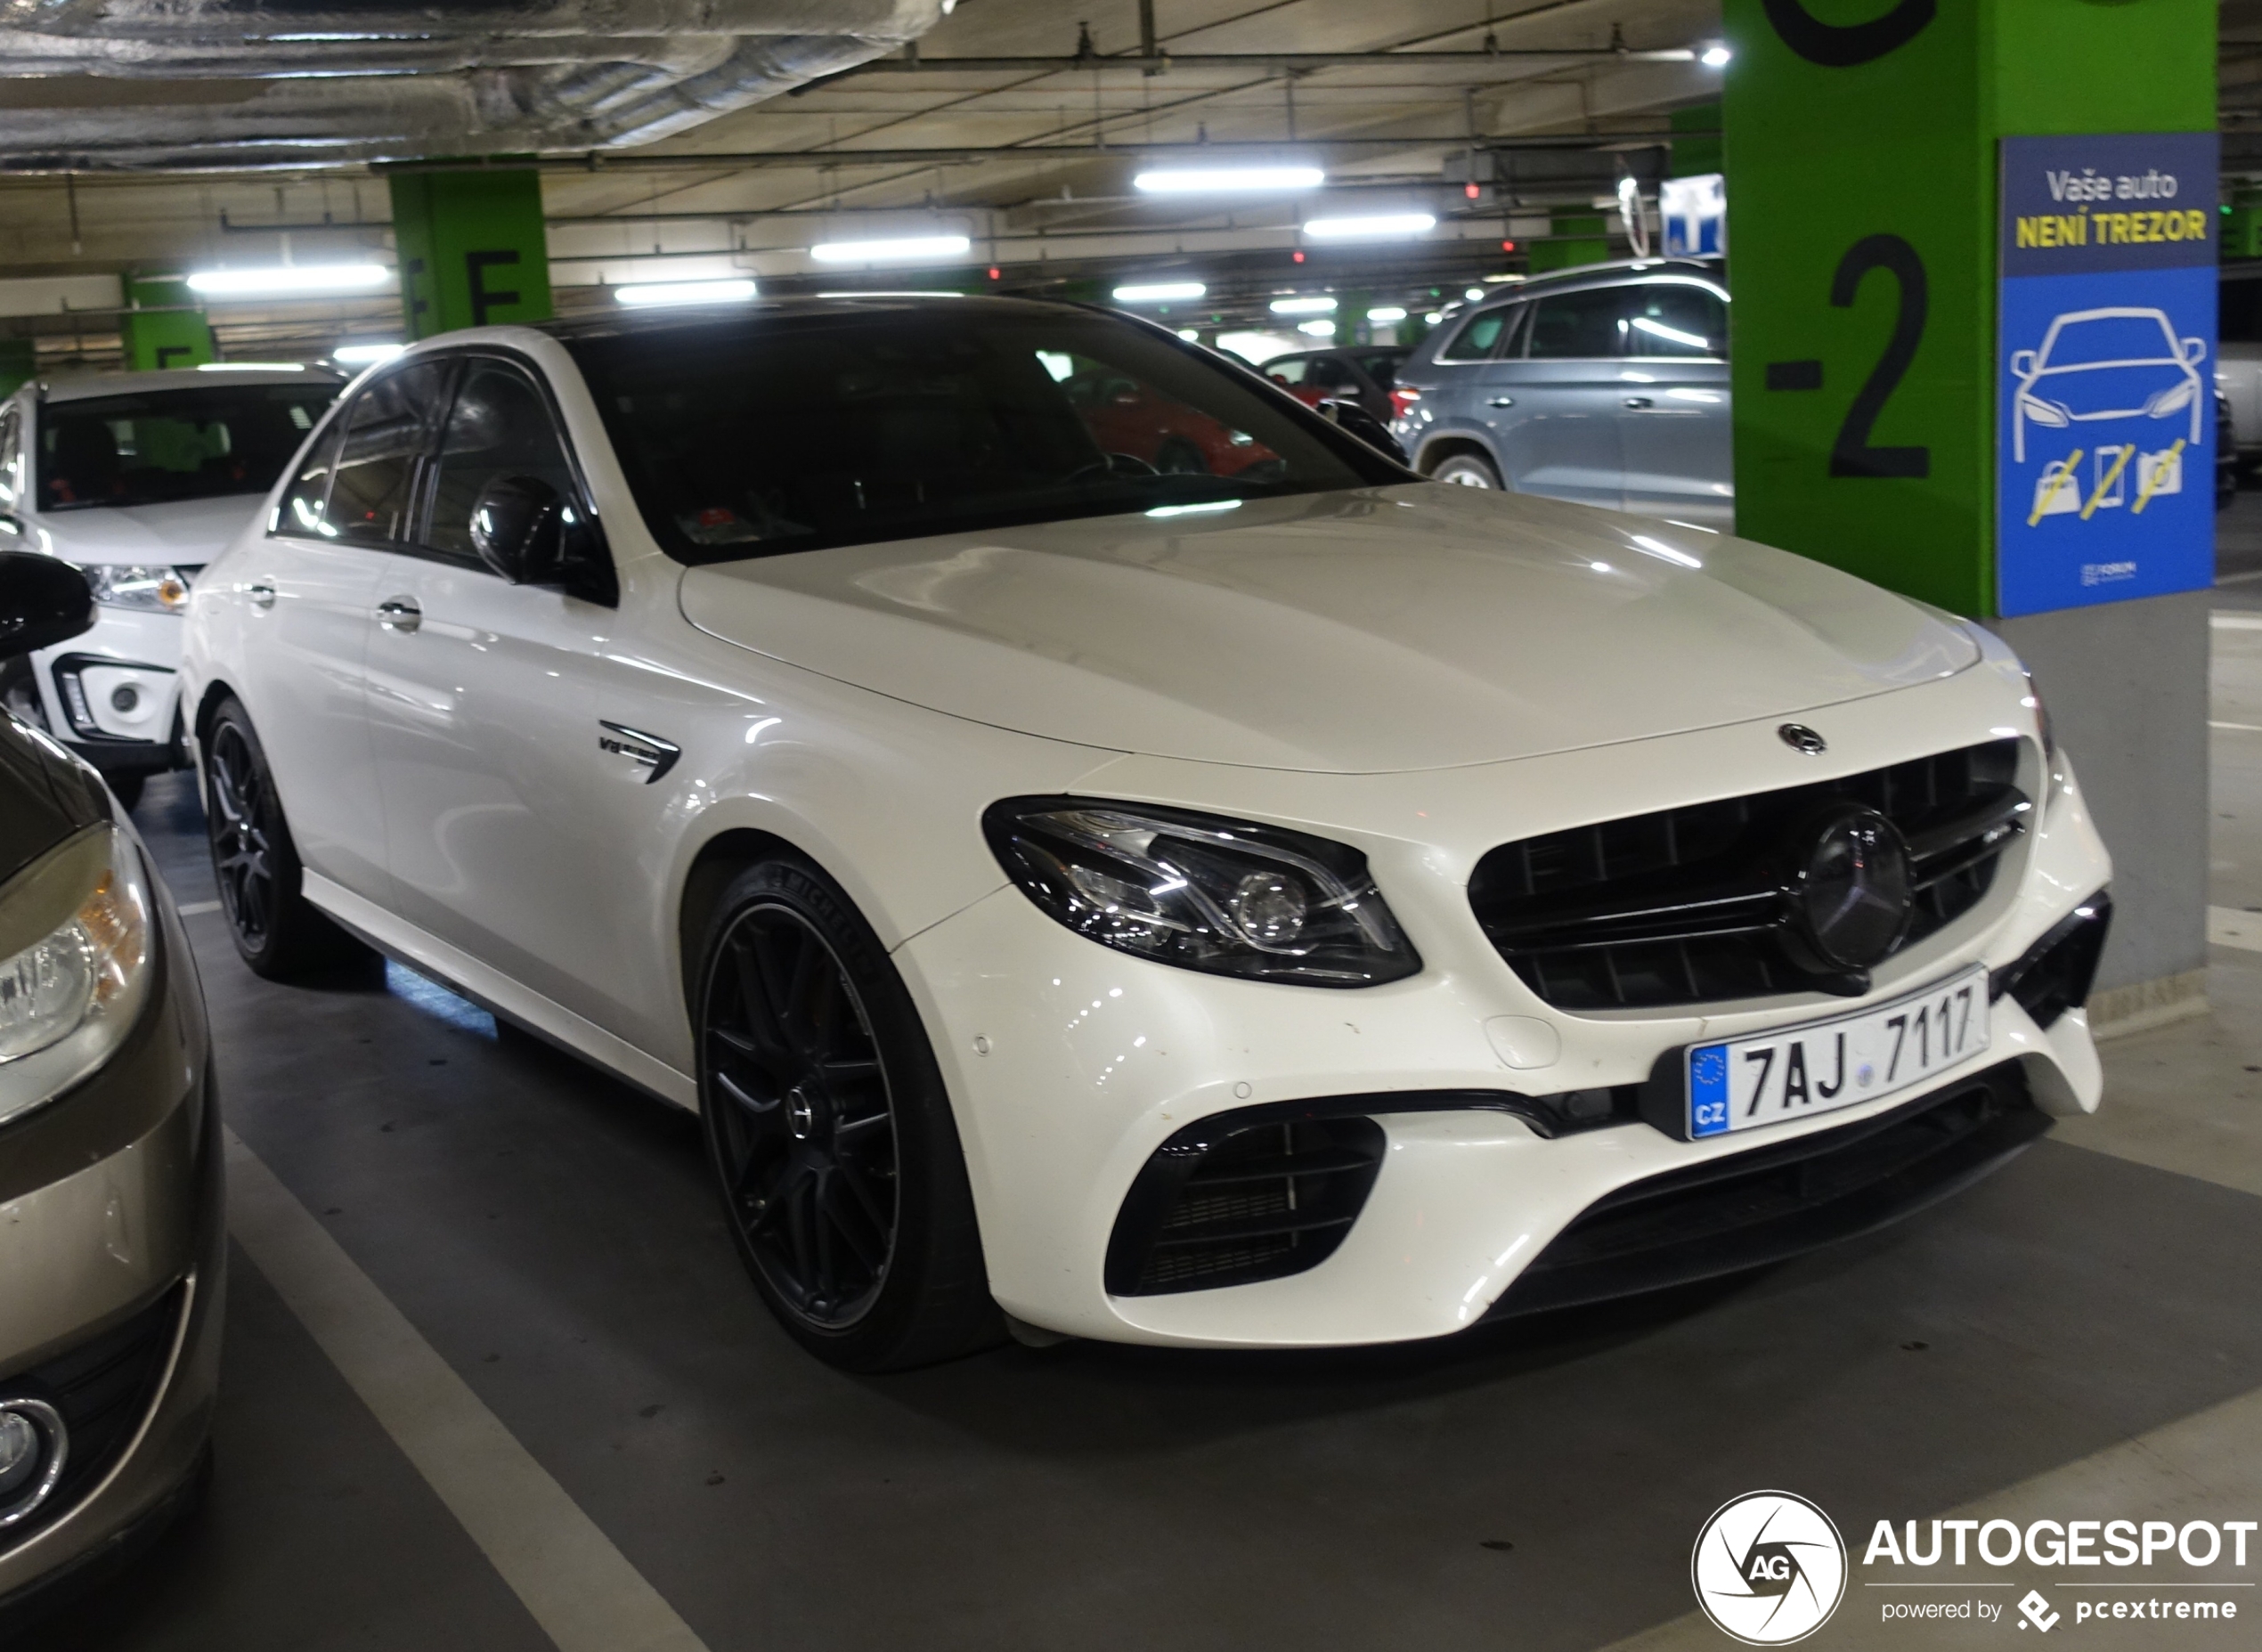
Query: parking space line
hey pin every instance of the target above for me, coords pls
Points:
(197, 908)
(2225, 620)
(579, 1588)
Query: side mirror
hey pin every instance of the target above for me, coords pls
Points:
(2022, 363)
(1354, 420)
(2195, 352)
(43, 601)
(518, 528)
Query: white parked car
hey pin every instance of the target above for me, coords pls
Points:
(140, 479)
(1315, 906)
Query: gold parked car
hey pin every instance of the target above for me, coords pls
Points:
(112, 1232)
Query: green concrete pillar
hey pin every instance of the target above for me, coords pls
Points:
(1890, 168)
(472, 248)
(164, 328)
(1574, 238)
(18, 362)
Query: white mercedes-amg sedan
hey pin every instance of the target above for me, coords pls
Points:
(1109, 852)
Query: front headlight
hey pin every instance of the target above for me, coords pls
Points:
(1202, 893)
(137, 585)
(74, 956)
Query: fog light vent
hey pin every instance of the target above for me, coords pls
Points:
(33, 1446)
(1242, 1198)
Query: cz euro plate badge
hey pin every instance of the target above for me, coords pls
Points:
(1747, 1084)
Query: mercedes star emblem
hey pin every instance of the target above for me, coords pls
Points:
(1802, 739)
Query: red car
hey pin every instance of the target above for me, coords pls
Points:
(1127, 417)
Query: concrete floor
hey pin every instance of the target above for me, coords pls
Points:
(1536, 1486)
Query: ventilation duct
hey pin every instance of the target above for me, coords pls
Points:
(224, 84)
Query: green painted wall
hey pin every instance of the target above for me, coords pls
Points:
(472, 249)
(166, 338)
(1823, 160)
(18, 362)
(1577, 238)
(1695, 156)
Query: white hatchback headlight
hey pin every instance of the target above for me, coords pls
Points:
(76, 949)
(122, 585)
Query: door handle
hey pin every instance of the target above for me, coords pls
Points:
(399, 614)
(262, 595)
(1501, 401)
(1638, 402)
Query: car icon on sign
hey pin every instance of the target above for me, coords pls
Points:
(2109, 363)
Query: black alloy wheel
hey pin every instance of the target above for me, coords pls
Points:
(278, 932)
(829, 1132)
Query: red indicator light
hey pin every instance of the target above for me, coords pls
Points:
(1299, 258)
(1508, 246)
(1470, 190)
(993, 272)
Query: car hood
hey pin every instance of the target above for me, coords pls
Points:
(190, 532)
(1411, 627)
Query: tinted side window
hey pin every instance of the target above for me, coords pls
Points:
(386, 429)
(1287, 372)
(299, 510)
(500, 427)
(1578, 325)
(1669, 319)
(1330, 372)
(1383, 368)
(1481, 335)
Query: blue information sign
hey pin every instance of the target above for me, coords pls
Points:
(2105, 369)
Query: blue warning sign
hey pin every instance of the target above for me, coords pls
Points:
(2105, 369)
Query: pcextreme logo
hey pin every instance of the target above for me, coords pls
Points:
(1768, 1568)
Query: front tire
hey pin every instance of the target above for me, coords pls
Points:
(1467, 470)
(278, 932)
(830, 1132)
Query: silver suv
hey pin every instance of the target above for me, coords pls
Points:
(1607, 386)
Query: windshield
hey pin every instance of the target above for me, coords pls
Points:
(2108, 338)
(790, 433)
(155, 447)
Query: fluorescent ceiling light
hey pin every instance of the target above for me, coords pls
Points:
(1386, 312)
(1199, 180)
(365, 354)
(1318, 330)
(1302, 306)
(251, 367)
(909, 247)
(285, 280)
(684, 292)
(1207, 507)
(1716, 57)
(1160, 292)
(1380, 225)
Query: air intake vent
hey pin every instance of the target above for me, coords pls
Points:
(1250, 1195)
(1686, 906)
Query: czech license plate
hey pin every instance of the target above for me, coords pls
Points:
(1747, 1084)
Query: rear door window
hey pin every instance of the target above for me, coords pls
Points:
(1579, 326)
(300, 508)
(1330, 373)
(1671, 319)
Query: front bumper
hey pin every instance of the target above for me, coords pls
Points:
(113, 695)
(112, 1264)
(1071, 1065)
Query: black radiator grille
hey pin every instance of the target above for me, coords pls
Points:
(1684, 906)
(1241, 1198)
